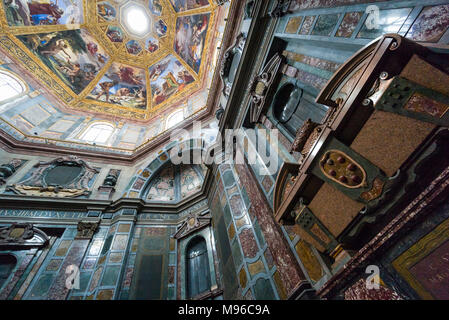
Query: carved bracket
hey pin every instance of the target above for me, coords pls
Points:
(261, 86)
(233, 52)
(86, 230)
(280, 9)
(22, 234)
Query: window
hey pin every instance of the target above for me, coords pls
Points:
(198, 274)
(98, 133)
(175, 118)
(7, 265)
(10, 86)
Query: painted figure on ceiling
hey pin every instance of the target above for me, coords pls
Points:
(152, 46)
(190, 38)
(42, 12)
(105, 89)
(122, 85)
(17, 12)
(73, 55)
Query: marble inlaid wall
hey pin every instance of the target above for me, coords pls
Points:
(154, 258)
(246, 261)
(334, 30)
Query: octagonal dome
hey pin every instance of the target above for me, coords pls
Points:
(129, 59)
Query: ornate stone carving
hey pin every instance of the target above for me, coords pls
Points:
(86, 230)
(302, 135)
(22, 234)
(280, 8)
(342, 169)
(111, 178)
(226, 65)
(192, 223)
(260, 87)
(7, 170)
(36, 184)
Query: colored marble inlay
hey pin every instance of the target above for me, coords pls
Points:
(54, 265)
(267, 183)
(390, 21)
(312, 61)
(311, 79)
(124, 227)
(105, 294)
(120, 242)
(243, 278)
(115, 257)
(359, 291)
(269, 258)
(256, 267)
(242, 222)
(89, 263)
(128, 277)
(249, 244)
(138, 184)
(95, 247)
(63, 248)
(348, 25)
(293, 25)
(280, 286)
(309, 260)
(422, 104)
(325, 24)
(431, 24)
(236, 204)
(231, 232)
(171, 274)
(307, 25)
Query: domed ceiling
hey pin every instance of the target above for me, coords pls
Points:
(129, 59)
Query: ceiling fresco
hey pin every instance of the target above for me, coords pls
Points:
(96, 59)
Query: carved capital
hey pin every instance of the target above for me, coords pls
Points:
(86, 230)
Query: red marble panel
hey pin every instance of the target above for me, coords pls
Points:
(289, 270)
(431, 24)
(307, 25)
(359, 291)
(433, 272)
(237, 205)
(249, 244)
(348, 25)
